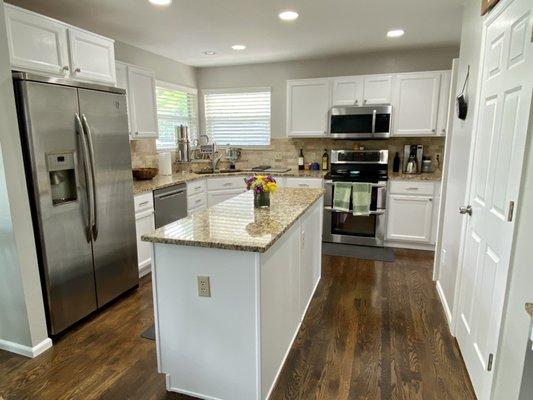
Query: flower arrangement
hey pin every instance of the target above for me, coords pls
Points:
(262, 185)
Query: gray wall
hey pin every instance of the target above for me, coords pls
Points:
(165, 69)
(275, 75)
(22, 319)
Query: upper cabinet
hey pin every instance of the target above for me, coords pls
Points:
(444, 103)
(92, 57)
(416, 104)
(308, 103)
(377, 89)
(347, 91)
(142, 103)
(41, 44)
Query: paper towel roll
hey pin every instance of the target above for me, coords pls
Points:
(165, 163)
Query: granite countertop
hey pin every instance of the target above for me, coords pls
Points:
(529, 309)
(424, 176)
(161, 181)
(234, 224)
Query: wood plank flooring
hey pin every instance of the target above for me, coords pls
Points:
(374, 330)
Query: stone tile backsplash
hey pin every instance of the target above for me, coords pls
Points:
(284, 152)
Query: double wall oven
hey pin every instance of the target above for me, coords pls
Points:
(357, 166)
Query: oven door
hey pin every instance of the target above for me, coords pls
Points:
(344, 227)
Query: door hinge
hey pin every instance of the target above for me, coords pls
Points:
(489, 364)
(511, 211)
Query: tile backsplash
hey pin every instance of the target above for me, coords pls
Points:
(284, 152)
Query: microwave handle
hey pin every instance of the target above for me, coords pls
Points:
(374, 121)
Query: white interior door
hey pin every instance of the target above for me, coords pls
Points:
(496, 170)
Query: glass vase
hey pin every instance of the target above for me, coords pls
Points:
(262, 200)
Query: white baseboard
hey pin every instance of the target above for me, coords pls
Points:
(26, 351)
(145, 269)
(413, 246)
(445, 306)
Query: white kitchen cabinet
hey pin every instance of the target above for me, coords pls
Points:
(42, 44)
(308, 103)
(347, 91)
(410, 218)
(121, 72)
(444, 102)
(36, 42)
(196, 196)
(142, 102)
(316, 183)
(377, 89)
(215, 197)
(144, 223)
(92, 57)
(416, 104)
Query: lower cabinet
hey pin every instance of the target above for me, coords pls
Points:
(144, 223)
(224, 188)
(215, 197)
(412, 213)
(317, 183)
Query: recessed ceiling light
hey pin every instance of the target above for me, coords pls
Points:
(238, 47)
(210, 52)
(161, 2)
(395, 33)
(288, 15)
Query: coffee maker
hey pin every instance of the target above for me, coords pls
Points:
(412, 158)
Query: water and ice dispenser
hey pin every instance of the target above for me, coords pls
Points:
(62, 177)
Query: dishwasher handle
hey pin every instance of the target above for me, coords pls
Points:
(167, 195)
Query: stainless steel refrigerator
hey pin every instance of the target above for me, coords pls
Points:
(78, 169)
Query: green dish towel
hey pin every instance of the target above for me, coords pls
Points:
(361, 198)
(341, 196)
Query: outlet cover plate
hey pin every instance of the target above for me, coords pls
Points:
(204, 286)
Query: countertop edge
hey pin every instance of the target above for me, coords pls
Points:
(233, 247)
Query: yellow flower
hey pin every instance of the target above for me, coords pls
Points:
(271, 187)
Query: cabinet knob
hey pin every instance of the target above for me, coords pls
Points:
(66, 68)
(433, 130)
(364, 101)
(356, 102)
(77, 69)
(444, 131)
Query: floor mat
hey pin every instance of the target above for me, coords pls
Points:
(361, 252)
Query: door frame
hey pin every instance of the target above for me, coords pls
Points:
(487, 20)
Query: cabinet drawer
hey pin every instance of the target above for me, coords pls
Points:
(196, 201)
(143, 202)
(195, 187)
(232, 182)
(304, 183)
(412, 187)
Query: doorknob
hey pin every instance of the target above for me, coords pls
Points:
(466, 210)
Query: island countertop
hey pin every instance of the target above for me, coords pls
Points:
(235, 225)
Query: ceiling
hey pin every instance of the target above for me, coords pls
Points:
(185, 29)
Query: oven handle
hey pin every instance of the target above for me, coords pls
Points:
(379, 211)
(374, 185)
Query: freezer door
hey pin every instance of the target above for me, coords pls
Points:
(114, 241)
(48, 130)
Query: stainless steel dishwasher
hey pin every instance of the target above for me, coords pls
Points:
(170, 204)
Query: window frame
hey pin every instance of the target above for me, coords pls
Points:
(181, 88)
(205, 92)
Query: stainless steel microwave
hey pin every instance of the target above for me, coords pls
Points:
(368, 122)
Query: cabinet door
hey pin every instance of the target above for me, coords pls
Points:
(214, 198)
(92, 57)
(143, 106)
(444, 102)
(36, 42)
(416, 101)
(310, 263)
(410, 218)
(308, 103)
(347, 91)
(122, 82)
(316, 183)
(377, 89)
(144, 223)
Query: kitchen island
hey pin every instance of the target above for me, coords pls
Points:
(228, 338)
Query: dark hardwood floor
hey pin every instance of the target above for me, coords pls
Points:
(374, 330)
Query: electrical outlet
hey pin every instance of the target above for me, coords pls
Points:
(278, 156)
(204, 287)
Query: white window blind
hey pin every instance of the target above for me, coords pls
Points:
(239, 117)
(175, 106)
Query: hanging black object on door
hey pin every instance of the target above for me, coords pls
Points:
(462, 104)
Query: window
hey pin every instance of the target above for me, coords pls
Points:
(176, 106)
(238, 117)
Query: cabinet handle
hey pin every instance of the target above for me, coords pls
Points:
(198, 201)
(304, 185)
(227, 184)
(144, 203)
(77, 70)
(411, 188)
(66, 68)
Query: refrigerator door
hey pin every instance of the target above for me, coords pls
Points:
(53, 155)
(105, 121)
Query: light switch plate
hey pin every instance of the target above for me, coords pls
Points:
(204, 287)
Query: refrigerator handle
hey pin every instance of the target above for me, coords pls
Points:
(85, 157)
(87, 132)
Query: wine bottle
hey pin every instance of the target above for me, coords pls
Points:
(301, 160)
(325, 160)
(396, 163)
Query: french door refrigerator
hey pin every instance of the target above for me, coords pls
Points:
(78, 168)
